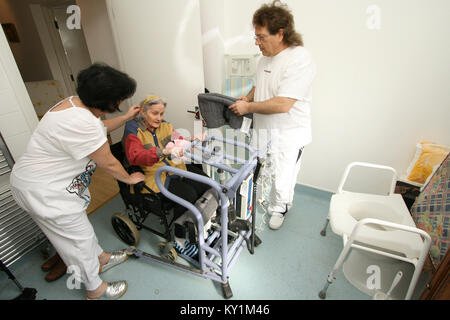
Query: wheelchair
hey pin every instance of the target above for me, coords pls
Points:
(138, 207)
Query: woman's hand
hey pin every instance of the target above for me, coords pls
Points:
(136, 177)
(114, 123)
(132, 112)
(104, 159)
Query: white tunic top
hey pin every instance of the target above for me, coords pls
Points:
(288, 74)
(55, 167)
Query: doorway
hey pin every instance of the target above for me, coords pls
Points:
(48, 54)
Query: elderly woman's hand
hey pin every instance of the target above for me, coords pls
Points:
(176, 151)
(132, 112)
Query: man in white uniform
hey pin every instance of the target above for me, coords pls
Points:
(280, 102)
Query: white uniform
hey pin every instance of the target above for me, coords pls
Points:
(288, 74)
(50, 181)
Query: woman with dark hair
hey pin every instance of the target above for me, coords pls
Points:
(50, 181)
(102, 87)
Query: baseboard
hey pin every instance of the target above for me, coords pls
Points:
(316, 188)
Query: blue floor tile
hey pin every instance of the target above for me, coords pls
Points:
(290, 264)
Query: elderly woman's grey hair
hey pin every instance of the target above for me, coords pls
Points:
(147, 103)
(151, 100)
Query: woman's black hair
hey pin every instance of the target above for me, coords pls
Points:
(103, 87)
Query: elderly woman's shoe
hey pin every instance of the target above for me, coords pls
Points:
(114, 290)
(117, 257)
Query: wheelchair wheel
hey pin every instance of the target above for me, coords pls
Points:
(125, 229)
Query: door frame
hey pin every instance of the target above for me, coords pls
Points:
(52, 44)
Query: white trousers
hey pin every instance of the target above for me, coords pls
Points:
(72, 236)
(283, 168)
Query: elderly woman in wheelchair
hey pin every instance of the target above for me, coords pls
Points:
(150, 143)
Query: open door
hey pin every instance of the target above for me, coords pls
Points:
(73, 41)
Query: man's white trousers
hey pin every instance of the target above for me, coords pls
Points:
(283, 168)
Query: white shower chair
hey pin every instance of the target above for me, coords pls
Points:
(382, 230)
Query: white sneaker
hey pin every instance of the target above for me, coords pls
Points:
(276, 221)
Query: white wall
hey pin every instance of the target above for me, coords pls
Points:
(17, 116)
(98, 33)
(377, 92)
(159, 44)
(212, 24)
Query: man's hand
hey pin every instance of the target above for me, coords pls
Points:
(200, 137)
(271, 106)
(240, 107)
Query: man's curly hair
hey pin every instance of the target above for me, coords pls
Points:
(277, 16)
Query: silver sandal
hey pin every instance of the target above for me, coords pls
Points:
(114, 290)
(117, 257)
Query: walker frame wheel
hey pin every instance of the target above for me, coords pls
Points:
(125, 229)
(167, 251)
(130, 251)
(322, 294)
(258, 241)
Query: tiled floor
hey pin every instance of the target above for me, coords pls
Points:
(290, 264)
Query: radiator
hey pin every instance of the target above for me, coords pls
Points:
(19, 234)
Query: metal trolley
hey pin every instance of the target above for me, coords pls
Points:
(218, 253)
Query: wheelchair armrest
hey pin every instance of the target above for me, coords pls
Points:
(138, 187)
(142, 185)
